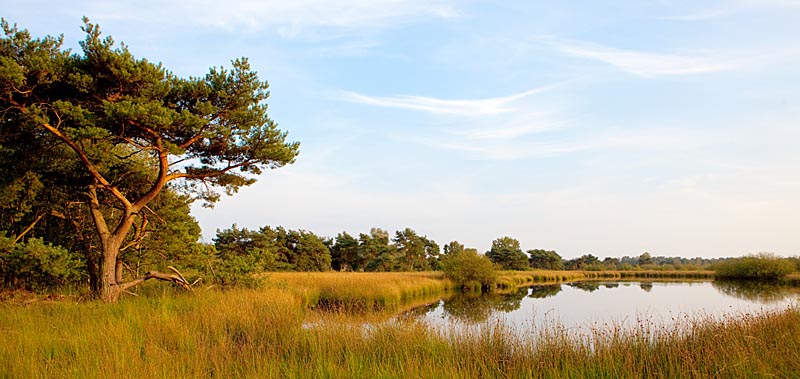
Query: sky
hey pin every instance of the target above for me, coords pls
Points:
(587, 127)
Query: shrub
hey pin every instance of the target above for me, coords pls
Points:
(35, 266)
(469, 270)
(761, 266)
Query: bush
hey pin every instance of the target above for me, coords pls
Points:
(35, 266)
(761, 266)
(469, 270)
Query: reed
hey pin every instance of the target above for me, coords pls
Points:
(791, 279)
(264, 334)
(360, 292)
(510, 280)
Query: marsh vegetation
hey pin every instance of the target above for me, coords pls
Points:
(288, 328)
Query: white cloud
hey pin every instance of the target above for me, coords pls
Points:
(652, 64)
(510, 128)
(503, 133)
(460, 107)
(289, 18)
(664, 138)
(732, 7)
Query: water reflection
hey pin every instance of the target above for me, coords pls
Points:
(476, 307)
(762, 292)
(579, 304)
(544, 291)
(588, 286)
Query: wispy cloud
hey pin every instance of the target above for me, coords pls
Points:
(732, 7)
(651, 64)
(509, 128)
(461, 107)
(288, 18)
(660, 138)
(505, 133)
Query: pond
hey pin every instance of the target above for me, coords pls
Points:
(588, 304)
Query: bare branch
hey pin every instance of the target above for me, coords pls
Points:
(175, 270)
(179, 280)
(28, 229)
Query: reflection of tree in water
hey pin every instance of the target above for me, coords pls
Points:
(511, 301)
(646, 286)
(421, 311)
(611, 284)
(469, 307)
(543, 291)
(760, 291)
(476, 307)
(589, 286)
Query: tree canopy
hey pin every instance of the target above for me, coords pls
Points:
(545, 259)
(507, 253)
(97, 136)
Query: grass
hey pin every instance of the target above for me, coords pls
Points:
(265, 334)
(510, 280)
(360, 292)
(792, 279)
(276, 333)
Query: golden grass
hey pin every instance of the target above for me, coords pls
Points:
(510, 280)
(262, 334)
(792, 279)
(359, 292)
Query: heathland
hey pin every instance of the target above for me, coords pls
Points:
(334, 325)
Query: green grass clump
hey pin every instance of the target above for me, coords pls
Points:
(756, 267)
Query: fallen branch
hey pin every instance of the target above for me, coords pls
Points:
(176, 278)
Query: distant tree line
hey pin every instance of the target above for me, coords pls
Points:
(271, 249)
(45, 258)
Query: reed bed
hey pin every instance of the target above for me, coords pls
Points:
(792, 279)
(670, 274)
(510, 280)
(360, 292)
(262, 334)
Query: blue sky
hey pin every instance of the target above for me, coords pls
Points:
(610, 128)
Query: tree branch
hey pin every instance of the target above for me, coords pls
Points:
(28, 229)
(89, 166)
(161, 179)
(147, 130)
(190, 141)
(97, 215)
(176, 278)
(218, 172)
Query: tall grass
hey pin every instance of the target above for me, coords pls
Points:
(360, 292)
(262, 334)
(509, 280)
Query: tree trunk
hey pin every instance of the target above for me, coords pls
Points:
(109, 286)
(94, 273)
(118, 269)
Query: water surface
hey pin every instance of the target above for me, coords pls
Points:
(597, 303)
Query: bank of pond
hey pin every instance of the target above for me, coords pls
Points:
(545, 324)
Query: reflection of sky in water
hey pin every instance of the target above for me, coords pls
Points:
(620, 304)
